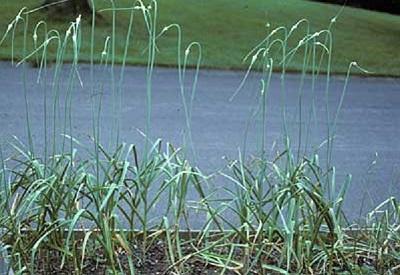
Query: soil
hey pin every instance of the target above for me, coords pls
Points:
(155, 262)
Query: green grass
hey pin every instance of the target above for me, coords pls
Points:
(228, 28)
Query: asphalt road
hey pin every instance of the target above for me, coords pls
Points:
(366, 142)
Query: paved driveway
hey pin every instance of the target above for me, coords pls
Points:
(368, 127)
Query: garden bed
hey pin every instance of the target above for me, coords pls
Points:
(279, 210)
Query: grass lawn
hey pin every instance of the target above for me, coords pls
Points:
(228, 29)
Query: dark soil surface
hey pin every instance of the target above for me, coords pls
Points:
(155, 261)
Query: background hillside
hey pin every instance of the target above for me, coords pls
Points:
(228, 29)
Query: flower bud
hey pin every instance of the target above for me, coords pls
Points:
(78, 19)
(166, 28)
